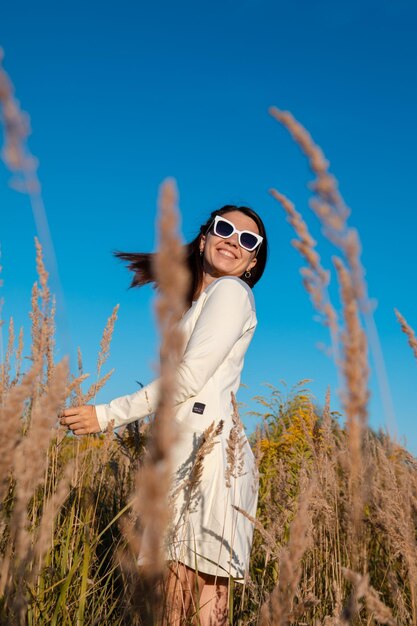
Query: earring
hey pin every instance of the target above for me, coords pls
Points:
(248, 274)
(201, 252)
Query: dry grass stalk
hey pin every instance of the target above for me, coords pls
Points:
(106, 339)
(268, 537)
(355, 363)
(36, 318)
(44, 293)
(333, 213)
(154, 479)
(6, 364)
(50, 343)
(96, 387)
(363, 590)
(18, 359)
(16, 131)
(44, 533)
(81, 376)
(101, 360)
(11, 426)
(207, 443)
(277, 610)
(326, 411)
(407, 330)
(43, 327)
(330, 208)
(190, 486)
(105, 345)
(354, 367)
(315, 277)
(31, 453)
(75, 383)
(234, 446)
(46, 319)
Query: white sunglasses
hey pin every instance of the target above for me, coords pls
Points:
(225, 229)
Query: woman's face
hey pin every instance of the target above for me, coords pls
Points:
(225, 257)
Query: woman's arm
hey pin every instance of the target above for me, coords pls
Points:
(225, 316)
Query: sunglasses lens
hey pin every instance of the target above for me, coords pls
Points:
(223, 229)
(248, 241)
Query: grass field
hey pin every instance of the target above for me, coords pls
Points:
(335, 533)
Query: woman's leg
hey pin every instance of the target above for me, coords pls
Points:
(182, 590)
(214, 601)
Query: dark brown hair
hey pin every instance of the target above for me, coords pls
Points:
(141, 263)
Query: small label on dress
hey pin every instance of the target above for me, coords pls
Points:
(199, 408)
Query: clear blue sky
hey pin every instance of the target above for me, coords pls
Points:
(122, 95)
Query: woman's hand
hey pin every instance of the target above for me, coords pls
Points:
(82, 420)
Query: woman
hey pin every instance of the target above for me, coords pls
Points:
(210, 539)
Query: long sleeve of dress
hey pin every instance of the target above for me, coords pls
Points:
(225, 316)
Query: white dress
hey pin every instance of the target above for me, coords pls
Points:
(208, 533)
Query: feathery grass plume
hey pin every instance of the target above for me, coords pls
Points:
(333, 213)
(6, 363)
(154, 479)
(315, 277)
(106, 339)
(96, 387)
(76, 381)
(270, 541)
(234, 446)
(16, 131)
(206, 445)
(355, 395)
(406, 328)
(355, 363)
(81, 377)
(331, 208)
(328, 204)
(102, 358)
(50, 343)
(36, 318)
(105, 345)
(277, 610)
(363, 590)
(18, 359)
(189, 487)
(79, 361)
(47, 318)
(11, 412)
(44, 292)
(326, 411)
(43, 327)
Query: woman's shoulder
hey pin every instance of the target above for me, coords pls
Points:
(230, 286)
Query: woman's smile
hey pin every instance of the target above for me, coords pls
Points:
(227, 253)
